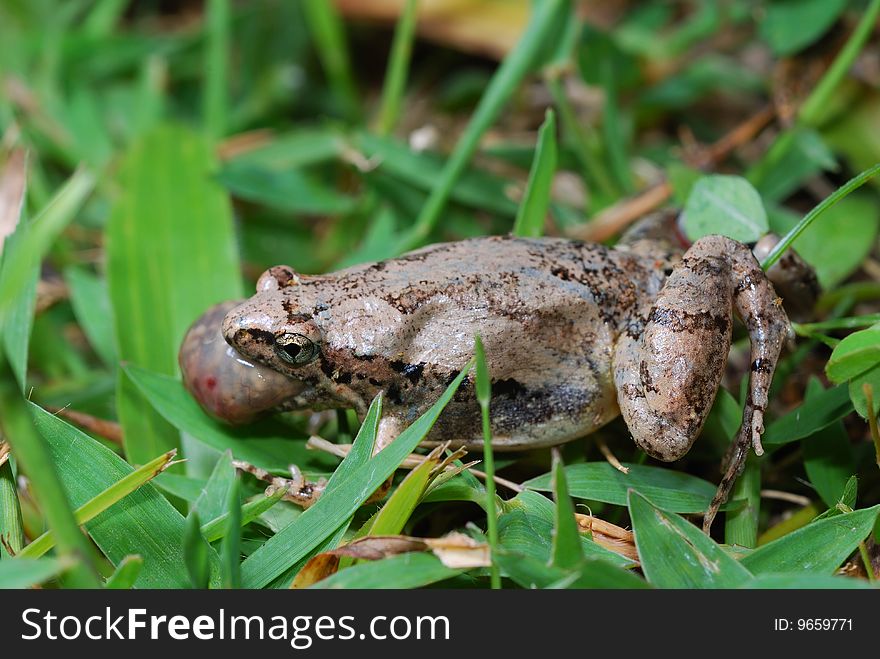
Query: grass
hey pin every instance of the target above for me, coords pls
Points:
(171, 159)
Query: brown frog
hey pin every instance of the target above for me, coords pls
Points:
(575, 333)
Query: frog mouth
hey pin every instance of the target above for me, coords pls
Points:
(227, 384)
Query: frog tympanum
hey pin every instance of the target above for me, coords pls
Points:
(575, 333)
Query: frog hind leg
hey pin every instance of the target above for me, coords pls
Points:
(669, 362)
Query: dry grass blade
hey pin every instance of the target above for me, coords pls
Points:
(608, 535)
(614, 219)
(4, 452)
(454, 550)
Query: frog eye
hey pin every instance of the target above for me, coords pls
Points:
(295, 348)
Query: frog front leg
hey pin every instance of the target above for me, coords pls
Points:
(668, 364)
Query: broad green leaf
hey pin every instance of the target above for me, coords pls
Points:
(295, 149)
(790, 25)
(723, 204)
(170, 255)
(828, 456)
(344, 495)
(567, 551)
(143, 523)
(808, 581)
(529, 572)
(536, 199)
(854, 355)
(91, 306)
(676, 554)
(671, 490)
(525, 527)
(27, 572)
(597, 573)
(287, 190)
(823, 410)
(126, 573)
(262, 444)
(857, 393)
(34, 457)
(819, 547)
(411, 570)
(808, 156)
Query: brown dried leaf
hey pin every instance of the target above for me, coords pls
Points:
(318, 567)
(12, 186)
(456, 550)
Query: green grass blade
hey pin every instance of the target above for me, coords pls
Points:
(328, 33)
(266, 444)
(741, 525)
(214, 499)
(91, 306)
(26, 572)
(230, 551)
(670, 490)
(217, 45)
(11, 532)
(170, 254)
(567, 552)
(544, 22)
(412, 570)
(398, 67)
(393, 515)
(823, 92)
(37, 461)
(476, 187)
(676, 554)
(98, 504)
(219, 526)
(195, 552)
(143, 523)
(483, 385)
(829, 201)
(525, 528)
(339, 501)
(818, 547)
(41, 234)
(536, 199)
(822, 410)
(20, 316)
(126, 573)
(22, 254)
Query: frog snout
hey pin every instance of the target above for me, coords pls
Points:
(226, 384)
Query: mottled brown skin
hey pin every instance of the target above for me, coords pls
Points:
(575, 334)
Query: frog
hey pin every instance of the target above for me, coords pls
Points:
(575, 334)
